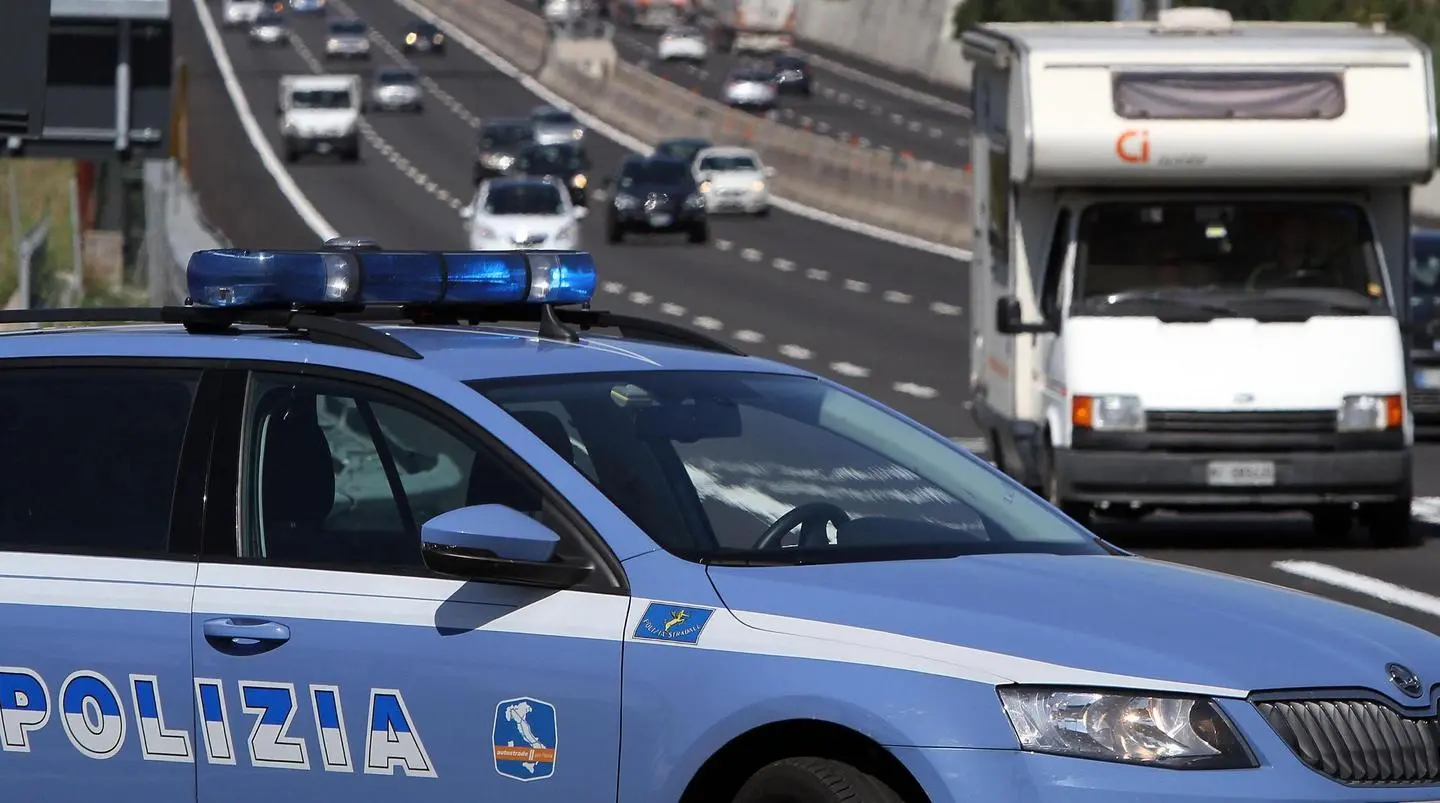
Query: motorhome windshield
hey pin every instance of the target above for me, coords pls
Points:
(1253, 259)
(320, 99)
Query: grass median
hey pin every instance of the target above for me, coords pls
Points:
(43, 189)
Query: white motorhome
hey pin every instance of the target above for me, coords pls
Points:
(1191, 241)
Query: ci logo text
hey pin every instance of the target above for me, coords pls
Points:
(1133, 146)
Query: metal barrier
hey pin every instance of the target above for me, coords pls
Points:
(174, 229)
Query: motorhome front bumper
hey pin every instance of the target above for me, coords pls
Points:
(1233, 479)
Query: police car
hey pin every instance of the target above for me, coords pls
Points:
(399, 526)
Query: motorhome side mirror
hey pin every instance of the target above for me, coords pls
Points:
(1009, 320)
(497, 544)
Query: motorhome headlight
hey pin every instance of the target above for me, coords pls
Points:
(1108, 413)
(1160, 730)
(1368, 412)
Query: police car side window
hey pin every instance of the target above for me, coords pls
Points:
(90, 457)
(340, 475)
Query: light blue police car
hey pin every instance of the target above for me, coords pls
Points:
(381, 526)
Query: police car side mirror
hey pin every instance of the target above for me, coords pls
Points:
(497, 544)
(1009, 321)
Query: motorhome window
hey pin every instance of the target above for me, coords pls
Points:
(1224, 256)
(1233, 95)
(320, 99)
(1055, 266)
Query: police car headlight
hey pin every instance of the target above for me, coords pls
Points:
(1370, 413)
(1157, 730)
(1107, 413)
(623, 201)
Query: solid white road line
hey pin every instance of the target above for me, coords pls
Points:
(311, 216)
(1361, 584)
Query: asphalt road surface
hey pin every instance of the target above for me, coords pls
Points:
(887, 320)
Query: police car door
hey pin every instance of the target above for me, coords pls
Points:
(98, 543)
(332, 665)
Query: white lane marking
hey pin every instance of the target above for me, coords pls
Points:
(849, 369)
(795, 352)
(748, 336)
(751, 255)
(783, 265)
(1361, 584)
(613, 288)
(708, 323)
(672, 309)
(941, 308)
(816, 274)
(624, 140)
(724, 245)
(641, 298)
(912, 389)
(309, 215)
(897, 297)
(855, 286)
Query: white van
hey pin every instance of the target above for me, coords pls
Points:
(1191, 244)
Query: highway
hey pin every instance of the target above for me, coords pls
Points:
(853, 101)
(873, 315)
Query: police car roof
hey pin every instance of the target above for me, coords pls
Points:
(462, 353)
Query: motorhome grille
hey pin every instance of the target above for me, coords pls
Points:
(1283, 421)
(1358, 741)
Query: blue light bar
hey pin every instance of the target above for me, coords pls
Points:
(240, 278)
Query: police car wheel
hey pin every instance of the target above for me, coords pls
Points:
(814, 780)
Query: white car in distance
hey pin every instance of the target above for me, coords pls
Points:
(733, 180)
(750, 90)
(269, 29)
(683, 43)
(241, 13)
(522, 214)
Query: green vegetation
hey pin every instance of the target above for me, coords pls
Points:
(44, 189)
(1419, 18)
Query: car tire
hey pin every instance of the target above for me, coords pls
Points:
(350, 154)
(1390, 526)
(698, 235)
(1050, 477)
(292, 154)
(614, 234)
(763, 211)
(814, 780)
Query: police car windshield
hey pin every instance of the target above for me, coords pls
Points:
(706, 462)
(320, 99)
(530, 198)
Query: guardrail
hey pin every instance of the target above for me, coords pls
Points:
(174, 228)
(869, 186)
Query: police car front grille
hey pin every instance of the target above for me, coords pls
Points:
(1358, 741)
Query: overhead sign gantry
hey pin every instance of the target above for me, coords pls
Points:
(85, 79)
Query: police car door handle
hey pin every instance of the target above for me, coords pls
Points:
(241, 632)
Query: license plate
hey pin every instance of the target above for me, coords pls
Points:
(1241, 473)
(660, 220)
(1428, 378)
(322, 147)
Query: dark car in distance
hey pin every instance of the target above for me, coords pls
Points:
(656, 195)
(498, 143)
(791, 74)
(683, 148)
(1425, 329)
(566, 162)
(424, 37)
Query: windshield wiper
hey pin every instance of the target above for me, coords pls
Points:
(1314, 298)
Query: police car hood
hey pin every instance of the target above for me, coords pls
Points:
(1124, 616)
(524, 224)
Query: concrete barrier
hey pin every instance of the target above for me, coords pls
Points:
(908, 35)
(865, 185)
